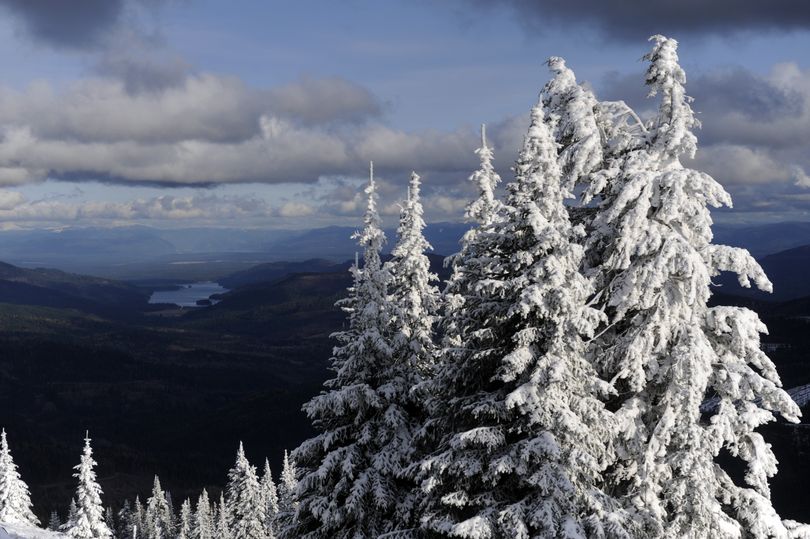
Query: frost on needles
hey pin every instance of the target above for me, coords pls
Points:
(580, 385)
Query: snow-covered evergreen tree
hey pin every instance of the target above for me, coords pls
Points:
(413, 297)
(572, 111)
(157, 518)
(270, 497)
(72, 514)
(15, 501)
(665, 350)
(185, 527)
(203, 518)
(484, 210)
(125, 525)
(348, 485)
(470, 265)
(138, 519)
(109, 520)
(88, 520)
(522, 438)
(221, 528)
(245, 501)
(54, 523)
(288, 484)
(414, 302)
(171, 512)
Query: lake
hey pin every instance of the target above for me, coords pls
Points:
(188, 294)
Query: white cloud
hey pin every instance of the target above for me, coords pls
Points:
(736, 164)
(10, 199)
(211, 129)
(295, 209)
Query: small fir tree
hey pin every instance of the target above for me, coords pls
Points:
(15, 501)
(271, 501)
(203, 518)
(125, 527)
(245, 501)
(157, 519)
(222, 528)
(88, 520)
(184, 528)
(54, 523)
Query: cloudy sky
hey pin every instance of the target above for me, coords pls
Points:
(265, 113)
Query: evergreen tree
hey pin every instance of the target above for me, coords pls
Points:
(222, 511)
(572, 112)
(15, 501)
(184, 528)
(54, 523)
(157, 519)
(126, 524)
(203, 519)
(72, 515)
(171, 513)
(138, 519)
(109, 520)
(470, 265)
(523, 439)
(88, 521)
(414, 305)
(347, 487)
(288, 485)
(414, 299)
(271, 502)
(666, 351)
(245, 501)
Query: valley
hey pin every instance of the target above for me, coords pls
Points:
(172, 391)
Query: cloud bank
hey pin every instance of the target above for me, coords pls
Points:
(633, 21)
(209, 129)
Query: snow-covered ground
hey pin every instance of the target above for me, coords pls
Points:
(16, 531)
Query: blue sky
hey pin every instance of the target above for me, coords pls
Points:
(243, 113)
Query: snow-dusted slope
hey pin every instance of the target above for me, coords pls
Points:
(17, 531)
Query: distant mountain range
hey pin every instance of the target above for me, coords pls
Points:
(765, 239)
(139, 252)
(789, 271)
(273, 271)
(56, 288)
(237, 257)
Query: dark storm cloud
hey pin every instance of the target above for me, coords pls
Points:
(78, 24)
(633, 20)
